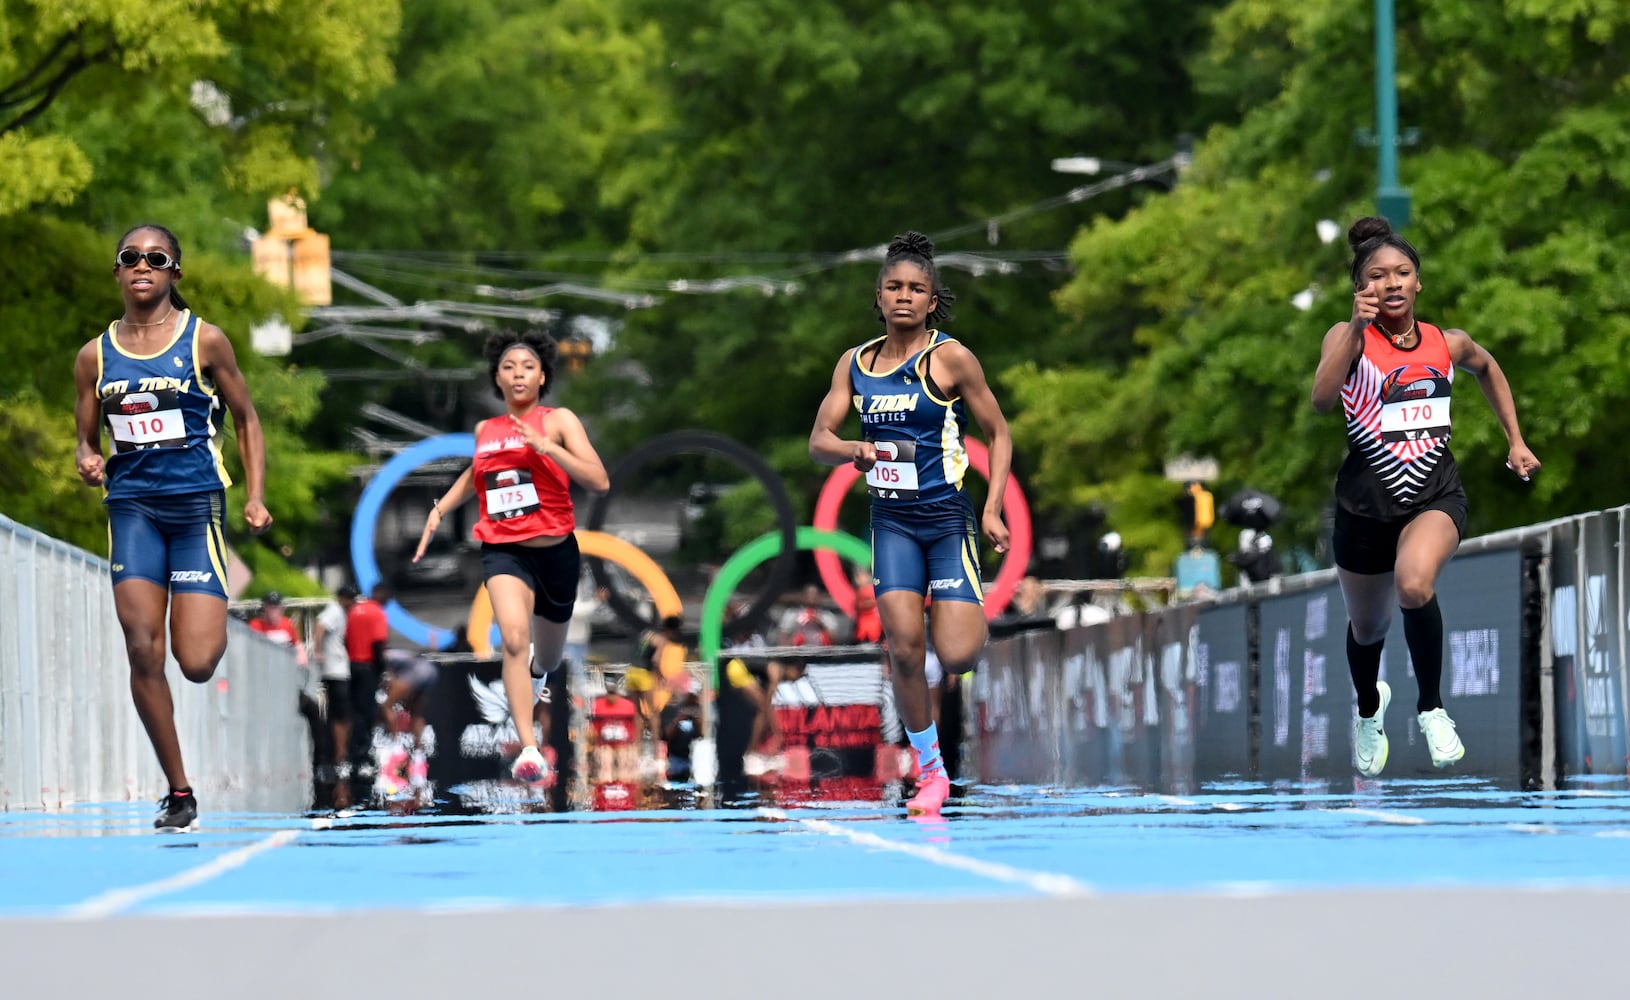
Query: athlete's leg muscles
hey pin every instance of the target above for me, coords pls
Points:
(1425, 546)
(197, 633)
(196, 549)
(1368, 597)
(512, 602)
(960, 632)
(903, 627)
(140, 605)
(548, 646)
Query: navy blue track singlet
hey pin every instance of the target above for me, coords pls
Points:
(162, 416)
(920, 457)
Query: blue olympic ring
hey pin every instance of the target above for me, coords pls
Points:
(363, 522)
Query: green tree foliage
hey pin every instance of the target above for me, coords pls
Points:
(38, 486)
(1191, 344)
(190, 114)
(274, 84)
(507, 119)
(655, 147)
(803, 130)
(73, 301)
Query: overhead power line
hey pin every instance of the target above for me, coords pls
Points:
(442, 268)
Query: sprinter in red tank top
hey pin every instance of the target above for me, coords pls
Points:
(525, 464)
(1400, 507)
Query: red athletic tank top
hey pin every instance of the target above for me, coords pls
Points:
(521, 494)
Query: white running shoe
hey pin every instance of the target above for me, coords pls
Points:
(1441, 738)
(1370, 736)
(530, 767)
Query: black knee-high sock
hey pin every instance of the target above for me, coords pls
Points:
(1364, 663)
(1423, 630)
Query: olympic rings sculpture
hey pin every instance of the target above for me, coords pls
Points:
(1014, 508)
(366, 518)
(742, 561)
(731, 450)
(366, 568)
(783, 544)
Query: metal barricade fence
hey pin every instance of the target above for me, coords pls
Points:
(69, 732)
(1252, 683)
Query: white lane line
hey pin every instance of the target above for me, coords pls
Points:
(1397, 819)
(1177, 800)
(1048, 883)
(117, 900)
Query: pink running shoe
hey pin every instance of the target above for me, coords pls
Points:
(932, 792)
(393, 776)
(530, 766)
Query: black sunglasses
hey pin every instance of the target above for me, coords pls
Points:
(156, 259)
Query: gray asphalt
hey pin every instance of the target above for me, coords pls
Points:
(1416, 944)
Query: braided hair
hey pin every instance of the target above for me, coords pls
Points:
(915, 248)
(536, 341)
(175, 251)
(1370, 234)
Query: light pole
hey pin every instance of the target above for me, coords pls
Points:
(1391, 200)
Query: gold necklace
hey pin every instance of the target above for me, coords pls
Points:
(156, 322)
(1398, 339)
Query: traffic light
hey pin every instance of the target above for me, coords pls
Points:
(574, 353)
(292, 254)
(1197, 509)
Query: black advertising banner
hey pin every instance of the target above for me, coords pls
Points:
(830, 717)
(1587, 640)
(827, 741)
(1481, 599)
(1019, 695)
(475, 739)
(1573, 747)
(1167, 633)
(1110, 729)
(1304, 692)
(1220, 710)
(1088, 728)
(470, 714)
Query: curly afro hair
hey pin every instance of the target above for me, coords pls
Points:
(500, 344)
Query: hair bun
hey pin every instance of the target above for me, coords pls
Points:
(1366, 229)
(912, 242)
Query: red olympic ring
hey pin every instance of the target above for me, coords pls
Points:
(1015, 510)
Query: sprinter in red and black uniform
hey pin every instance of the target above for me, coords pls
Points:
(525, 464)
(1400, 507)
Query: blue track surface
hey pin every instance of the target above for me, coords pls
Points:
(998, 842)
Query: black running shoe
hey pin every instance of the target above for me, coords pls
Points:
(177, 813)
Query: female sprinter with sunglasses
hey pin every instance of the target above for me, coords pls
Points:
(526, 462)
(155, 381)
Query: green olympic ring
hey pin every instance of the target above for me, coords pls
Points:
(742, 561)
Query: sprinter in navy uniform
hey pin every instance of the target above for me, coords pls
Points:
(914, 388)
(153, 383)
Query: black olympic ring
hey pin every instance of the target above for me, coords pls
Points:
(692, 442)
